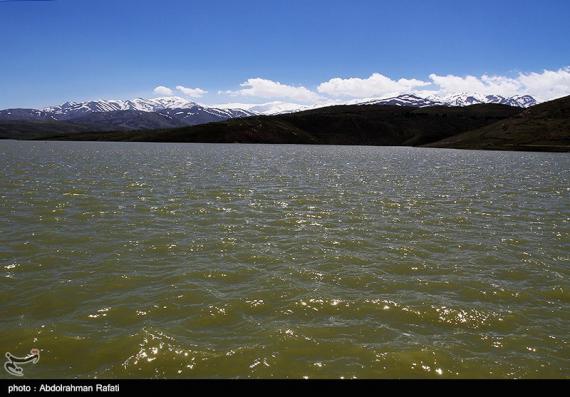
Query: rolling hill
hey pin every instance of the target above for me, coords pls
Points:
(337, 125)
(544, 127)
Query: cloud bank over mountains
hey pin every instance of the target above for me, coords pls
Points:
(267, 89)
(545, 85)
(377, 85)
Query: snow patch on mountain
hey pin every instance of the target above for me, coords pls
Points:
(172, 111)
(468, 99)
(269, 108)
(163, 106)
(139, 104)
(231, 110)
(404, 100)
(165, 112)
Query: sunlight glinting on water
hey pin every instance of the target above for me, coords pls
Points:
(158, 260)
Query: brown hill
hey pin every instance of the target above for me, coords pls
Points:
(544, 127)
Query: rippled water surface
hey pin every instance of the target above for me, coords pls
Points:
(160, 260)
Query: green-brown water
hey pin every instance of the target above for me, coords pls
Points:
(217, 261)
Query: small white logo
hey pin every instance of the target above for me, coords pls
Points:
(12, 366)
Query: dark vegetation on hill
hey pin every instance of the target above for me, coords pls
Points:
(544, 127)
(338, 125)
(38, 129)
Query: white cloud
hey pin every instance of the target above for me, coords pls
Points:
(549, 84)
(191, 92)
(162, 90)
(377, 85)
(500, 85)
(268, 89)
(544, 86)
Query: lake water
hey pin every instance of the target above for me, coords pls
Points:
(122, 260)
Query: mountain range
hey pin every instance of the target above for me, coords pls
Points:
(461, 121)
(544, 127)
(167, 112)
(412, 100)
(461, 100)
(173, 112)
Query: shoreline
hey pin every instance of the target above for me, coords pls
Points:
(517, 148)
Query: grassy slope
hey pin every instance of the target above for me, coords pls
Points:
(543, 127)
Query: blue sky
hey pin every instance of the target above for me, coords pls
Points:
(238, 51)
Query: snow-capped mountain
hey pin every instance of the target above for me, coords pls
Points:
(167, 112)
(525, 101)
(405, 100)
(70, 110)
(269, 108)
(465, 99)
(173, 112)
(273, 108)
